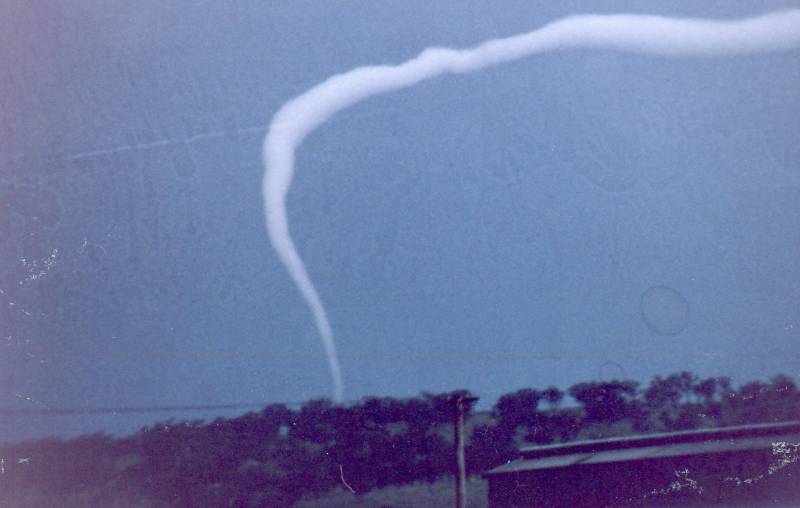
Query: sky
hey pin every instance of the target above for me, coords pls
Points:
(567, 217)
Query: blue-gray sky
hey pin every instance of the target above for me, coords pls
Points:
(521, 226)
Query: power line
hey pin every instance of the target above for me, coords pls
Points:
(112, 410)
(190, 139)
(129, 409)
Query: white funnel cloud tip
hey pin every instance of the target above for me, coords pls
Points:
(655, 35)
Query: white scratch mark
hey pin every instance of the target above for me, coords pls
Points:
(161, 143)
(341, 475)
(683, 482)
(786, 453)
(29, 399)
(86, 244)
(38, 269)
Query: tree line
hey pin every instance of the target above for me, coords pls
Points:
(279, 455)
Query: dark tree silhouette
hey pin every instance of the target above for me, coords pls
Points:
(606, 402)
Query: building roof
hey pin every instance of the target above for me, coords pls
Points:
(653, 446)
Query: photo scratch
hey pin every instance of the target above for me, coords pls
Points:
(257, 129)
(38, 269)
(785, 454)
(683, 482)
(344, 482)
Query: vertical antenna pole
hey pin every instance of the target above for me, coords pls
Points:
(461, 403)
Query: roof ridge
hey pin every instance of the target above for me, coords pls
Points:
(658, 439)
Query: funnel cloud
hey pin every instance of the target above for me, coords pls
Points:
(655, 35)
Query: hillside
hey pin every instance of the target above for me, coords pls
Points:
(391, 452)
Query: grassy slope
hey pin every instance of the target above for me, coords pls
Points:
(417, 495)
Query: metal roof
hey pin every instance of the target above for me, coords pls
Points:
(653, 446)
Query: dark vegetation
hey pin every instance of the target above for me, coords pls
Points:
(279, 455)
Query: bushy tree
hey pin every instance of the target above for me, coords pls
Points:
(606, 402)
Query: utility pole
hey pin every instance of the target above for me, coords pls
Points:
(461, 402)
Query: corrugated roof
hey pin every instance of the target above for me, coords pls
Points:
(544, 463)
(653, 446)
(623, 455)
